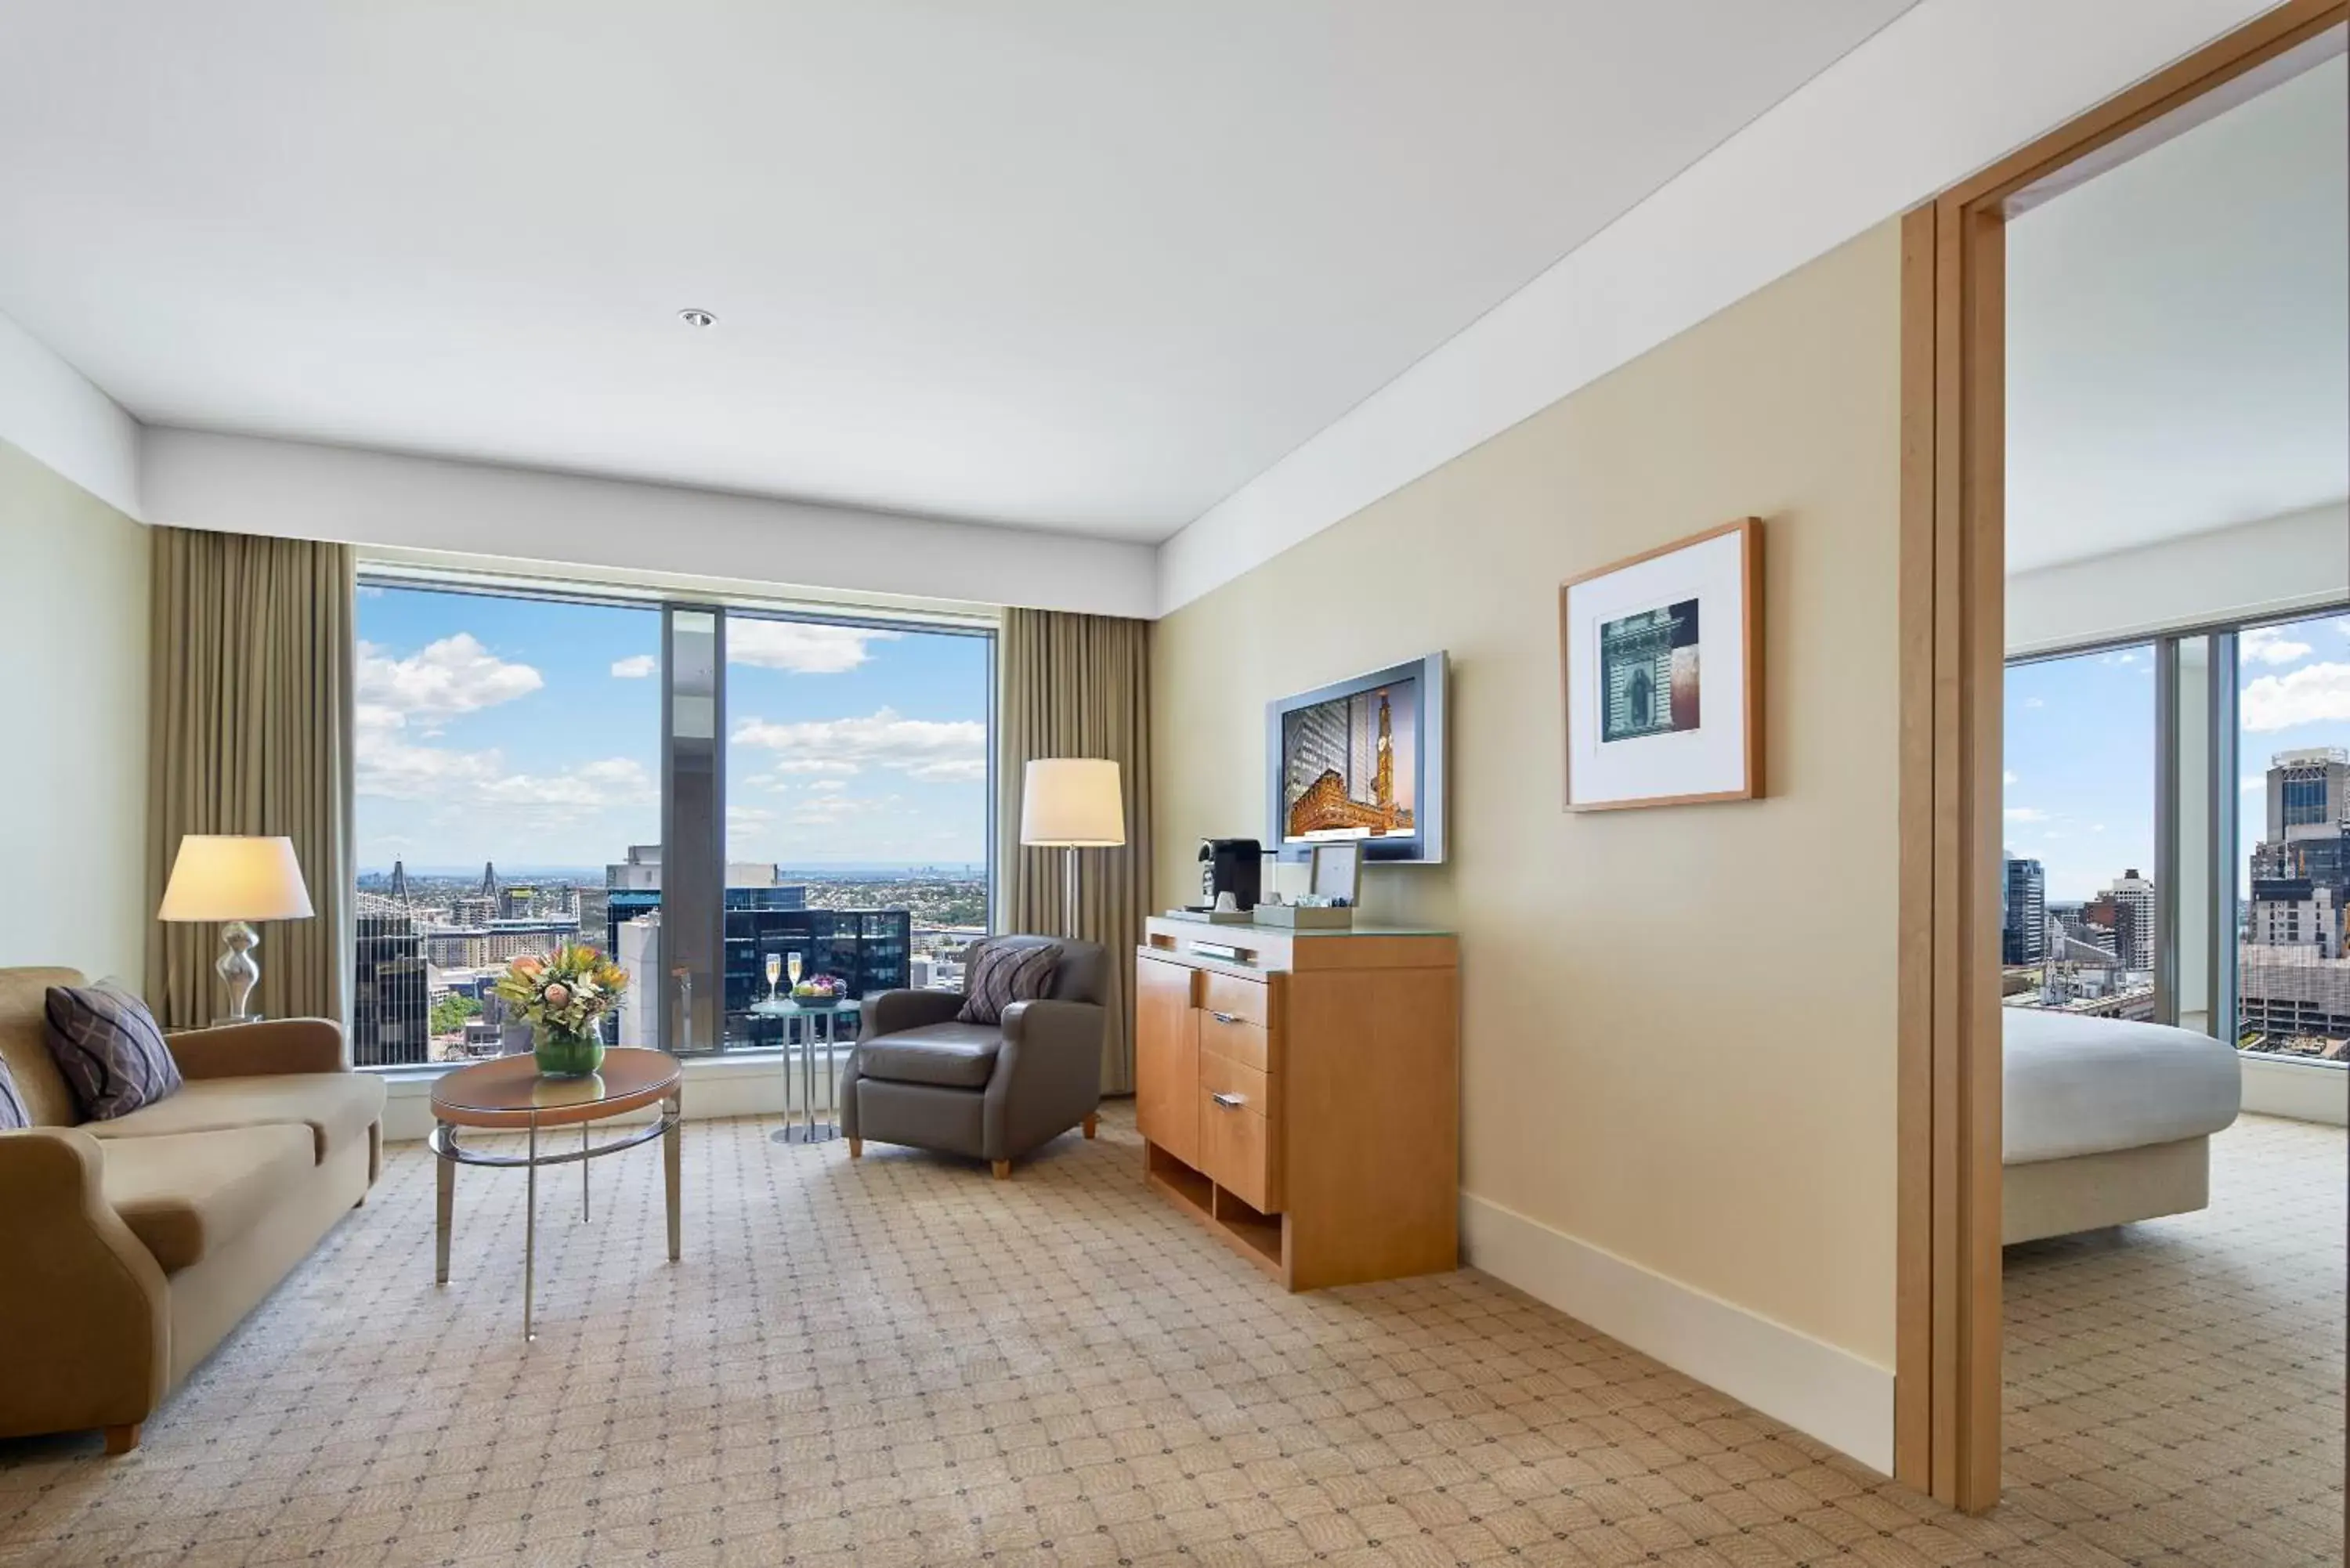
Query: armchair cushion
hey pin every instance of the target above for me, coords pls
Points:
(252, 1050)
(109, 1049)
(337, 1108)
(952, 1056)
(184, 1195)
(1005, 971)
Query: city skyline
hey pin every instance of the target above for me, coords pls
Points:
(492, 728)
(2080, 736)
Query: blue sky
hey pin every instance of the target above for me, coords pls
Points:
(528, 731)
(2080, 746)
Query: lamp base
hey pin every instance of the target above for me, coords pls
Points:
(238, 972)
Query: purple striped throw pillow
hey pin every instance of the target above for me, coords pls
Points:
(110, 1050)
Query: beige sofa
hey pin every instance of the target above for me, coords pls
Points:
(135, 1245)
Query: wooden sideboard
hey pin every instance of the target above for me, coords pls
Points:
(1299, 1092)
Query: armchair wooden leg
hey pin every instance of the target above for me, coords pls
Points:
(1003, 1169)
(120, 1441)
(856, 1148)
(1092, 1123)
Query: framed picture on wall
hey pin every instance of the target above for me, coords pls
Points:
(1661, 664)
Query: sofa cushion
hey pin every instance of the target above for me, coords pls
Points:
(1005, 971)
(952, 1056)
(337, 1108)
(185, 1195)
(24, 1044)
(13, 1113)
(109, 1049)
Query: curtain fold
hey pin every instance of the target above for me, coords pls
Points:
(1079, 686)
(251, 724)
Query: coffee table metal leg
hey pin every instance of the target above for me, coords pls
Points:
(673, 1146)
(530, 1230)
(444, 1206)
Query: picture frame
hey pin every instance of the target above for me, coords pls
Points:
(1660, 674)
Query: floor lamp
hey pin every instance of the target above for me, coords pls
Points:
(1071, 803)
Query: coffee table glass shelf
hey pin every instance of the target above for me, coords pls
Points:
(509, 1095)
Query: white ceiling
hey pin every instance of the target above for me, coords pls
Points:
(1054, 262)
(2178, 334)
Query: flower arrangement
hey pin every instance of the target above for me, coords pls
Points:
(565, 995)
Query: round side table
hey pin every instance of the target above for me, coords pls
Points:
(509, 1095)
(819, 1025)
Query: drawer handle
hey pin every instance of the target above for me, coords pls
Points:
(1225, 1017)
(1229, 1101)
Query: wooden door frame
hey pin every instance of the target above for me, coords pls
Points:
(1947, 1384)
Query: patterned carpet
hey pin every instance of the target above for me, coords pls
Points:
(902, 1362)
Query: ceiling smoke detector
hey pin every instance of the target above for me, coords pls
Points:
(693, 317)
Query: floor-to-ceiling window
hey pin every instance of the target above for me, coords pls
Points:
(521, 756)
(2292, 882)
(2078, 906)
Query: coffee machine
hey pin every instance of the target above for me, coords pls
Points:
(1234, 865)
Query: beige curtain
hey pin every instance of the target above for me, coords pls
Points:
(1079, 686)
(251, 707)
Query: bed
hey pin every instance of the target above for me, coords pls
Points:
(2107, 1123)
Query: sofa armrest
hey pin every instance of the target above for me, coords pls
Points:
(252, 1050)
(1047, 1075)
(83, 1306)
(895, 1009)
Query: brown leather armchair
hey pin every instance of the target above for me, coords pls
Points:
(921, 1077)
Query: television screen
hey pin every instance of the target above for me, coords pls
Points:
(1350, 765)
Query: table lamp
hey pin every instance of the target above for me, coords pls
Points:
(1071, 803)
(236, 880)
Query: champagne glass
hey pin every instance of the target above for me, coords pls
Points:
(794, 962)
(774, 970)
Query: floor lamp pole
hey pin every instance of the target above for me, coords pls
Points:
(1069, 891)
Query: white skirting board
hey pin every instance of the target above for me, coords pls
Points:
(1829, 1394)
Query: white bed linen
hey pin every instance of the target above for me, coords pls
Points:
(2087, 1086)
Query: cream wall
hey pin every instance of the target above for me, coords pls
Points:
(1678, 1024)
(73, 656)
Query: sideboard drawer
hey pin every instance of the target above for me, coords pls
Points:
(1242, 1149)
(1235, 1039)
(1233, 998)
(1257, 1091)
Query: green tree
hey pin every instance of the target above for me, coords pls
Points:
(449, 1014)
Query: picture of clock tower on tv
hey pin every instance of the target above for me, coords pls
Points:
(1361, 762)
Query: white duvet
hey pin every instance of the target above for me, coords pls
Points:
(2087, 1086)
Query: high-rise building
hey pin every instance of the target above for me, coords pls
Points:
(2308, 793)
(390, 1011)
(2294, 913)
(2132, 898)
(2024, 925)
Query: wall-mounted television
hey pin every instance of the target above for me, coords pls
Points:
(1360, 761)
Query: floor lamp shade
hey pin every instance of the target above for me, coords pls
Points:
(1072, 802)
(236, 880)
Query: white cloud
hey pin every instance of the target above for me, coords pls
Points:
(2008, 777)
(439, 681)
(2254, 783)
(828, 787)
(831, 810)
(388, 767)
(2027, 814)
(2309, 695)
(636, 667)
(800, 647)
(928, 750)
(2269, 645)
(2033, 702)
(2122, 658)
(2096, 827)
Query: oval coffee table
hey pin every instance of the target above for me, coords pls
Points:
(509, 1095)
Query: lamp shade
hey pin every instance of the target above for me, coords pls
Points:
(217, 876)
(1072, 802)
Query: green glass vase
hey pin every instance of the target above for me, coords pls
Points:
(563, 1054)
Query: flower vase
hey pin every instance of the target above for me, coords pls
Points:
(563, 1054)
